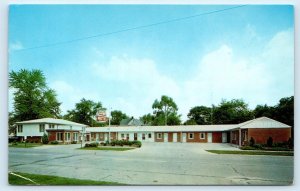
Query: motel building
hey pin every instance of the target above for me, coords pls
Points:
(59, 130)
(238, 134)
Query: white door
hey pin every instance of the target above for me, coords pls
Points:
(165, 137)
(224, 137)
(174, 137)
(209, 137)
(183, 137)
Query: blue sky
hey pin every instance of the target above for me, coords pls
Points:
(244, 53)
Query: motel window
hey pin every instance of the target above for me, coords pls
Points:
(75, 136)
(159, 135)
(149, 135)
(59, 136)
(20, 128)
(68, 136)
(51, 126)
(122, 136)
(191, 135)
(143, 136)
(42, 127)
(202, 135)
(127, 136)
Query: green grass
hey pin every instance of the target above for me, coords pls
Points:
(28, 145)
(275, 153)
(107, 148)
(52, 180)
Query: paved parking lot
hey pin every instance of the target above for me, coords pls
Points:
(155, 163)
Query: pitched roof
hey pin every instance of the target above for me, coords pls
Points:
(51, 121)
(262, 122)
(131, 122)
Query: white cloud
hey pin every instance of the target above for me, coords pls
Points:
(70, 95)
(16, 45)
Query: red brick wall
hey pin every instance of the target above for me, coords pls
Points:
(261, 135)
(236, 140)
(178, 137)
(51, 136)
(217, 137)
(196, 137)
(170, 137)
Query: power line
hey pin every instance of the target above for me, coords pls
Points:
(130, 29)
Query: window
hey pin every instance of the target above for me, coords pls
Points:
(59, 136)
(202, 135)
(143, 136)
(122, 136)
(42, 127)
(149, 135)
(20, 128)
(51, 126)
(159, 136)
(127, 136)
(75, 136)
(68, 137)
(191, 135)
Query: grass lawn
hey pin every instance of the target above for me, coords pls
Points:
(108, 148)
(51, 180)
(275, 153)
(28, 145)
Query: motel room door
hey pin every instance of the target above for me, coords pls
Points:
(174, 137)
(224, 137)
(165, 137)
(183, 137)
(209, 137)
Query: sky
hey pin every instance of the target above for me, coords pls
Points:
(196, 54)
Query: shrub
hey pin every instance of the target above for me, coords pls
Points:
(74, 142)
(54, 142)
(258, 146)
(270, 142)
(136, 143)
(247, 148)
(14, 142)
(45, 139)
(251, 142)
(93, 144)
(290, 143)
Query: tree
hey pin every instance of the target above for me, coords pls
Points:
(147, 119)
(84, 112)
(32, 98)
(117, 116)
(200, 115)
(232, 112)
(264, 110)
(164, 109)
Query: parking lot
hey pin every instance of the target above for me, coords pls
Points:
(155, 164)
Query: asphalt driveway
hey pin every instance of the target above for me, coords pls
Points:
(155, 164)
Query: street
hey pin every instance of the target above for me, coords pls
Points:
(155, 164)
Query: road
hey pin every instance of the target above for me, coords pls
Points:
(155, 164)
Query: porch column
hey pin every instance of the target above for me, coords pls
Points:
(240, 137)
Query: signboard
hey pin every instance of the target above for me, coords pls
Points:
(101, 116)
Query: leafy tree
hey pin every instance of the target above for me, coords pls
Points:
(232, 112)
(117, 116)
(284, 110)
(32, 98)
(165, 111)
(84, 112)
(11, 123)
(200, 115)
(147, 119)
(264, 110)
(45, 139)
